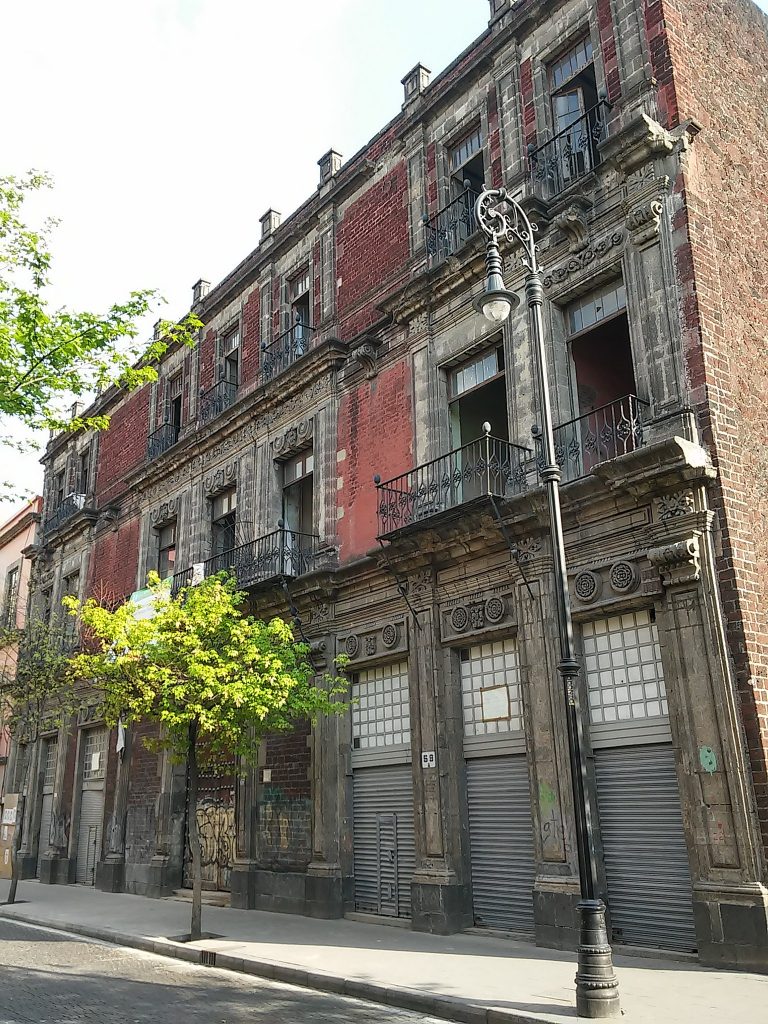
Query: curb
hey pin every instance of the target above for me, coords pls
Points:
(444, 1007)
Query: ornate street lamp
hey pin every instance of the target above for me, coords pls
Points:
(501, 217)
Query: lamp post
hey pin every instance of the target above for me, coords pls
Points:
(501, 217)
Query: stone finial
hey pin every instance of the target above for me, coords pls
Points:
(199, 290)
(415, 82)
(270, 222)
(329, 164)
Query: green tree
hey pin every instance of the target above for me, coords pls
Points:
(51, 357)
(36, 695)
(215, 679)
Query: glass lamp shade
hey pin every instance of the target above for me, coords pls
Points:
(496, 305)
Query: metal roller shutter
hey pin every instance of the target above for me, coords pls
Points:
(501, 842)
(646, 860)
(89, 835)
(45, 828)
(384, 848)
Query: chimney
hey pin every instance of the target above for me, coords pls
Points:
(156, 330)
(414, 83)
(329, 164)
(77, 410)
(498, 7)
(270, 222)
(199, 290)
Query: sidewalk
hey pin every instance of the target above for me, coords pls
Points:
(461, 977)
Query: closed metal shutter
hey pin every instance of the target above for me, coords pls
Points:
(89, 835)
(43, 841)
(646, 860)
(501, 842)
(384, 848)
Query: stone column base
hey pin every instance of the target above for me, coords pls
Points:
(325, 891)
(57, 870)
(732, 925)
(282, 892)
(160, 877)
(27, 865)
(110, 875)
(556, 920)
(440, 905)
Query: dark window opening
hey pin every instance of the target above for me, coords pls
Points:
(166, 551)
(600, 348)
(574, 94)
(300, 311)
(83, 471)
(11, 598)
(478, 395)
(467, 168)
(224, 522)
(174, 405)
(231, 357)
(58, 488)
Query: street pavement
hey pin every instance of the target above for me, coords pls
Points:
(479, 979)
(49, 977)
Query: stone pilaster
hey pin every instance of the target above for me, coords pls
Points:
(110, 872)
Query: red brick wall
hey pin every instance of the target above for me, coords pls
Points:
(207, 359)
(114, 562)
(285, 807)
(376, 430)
(123, 446)
(725, 277)
(528, 104)
(143, 790)
(372, 244)
(249, 339)
(660, 24)
(608, 49)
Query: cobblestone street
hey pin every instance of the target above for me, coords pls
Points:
(49, 977)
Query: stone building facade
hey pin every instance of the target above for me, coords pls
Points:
(346, 347)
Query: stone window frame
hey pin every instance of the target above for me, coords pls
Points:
(9, 619)
(300, 261)
(232, 325)
(478, 114)
(583, 24)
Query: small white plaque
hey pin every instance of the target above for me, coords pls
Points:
(495, 703)
(95, 760)
(266, 775)
(428, 759)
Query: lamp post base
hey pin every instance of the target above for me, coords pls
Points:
(597, 987)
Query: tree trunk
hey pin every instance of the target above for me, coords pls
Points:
(18, 833)
(195, 930)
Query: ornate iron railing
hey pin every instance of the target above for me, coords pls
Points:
(182, 579)
(599, 436)
(280, 553)
(286, 349)
(488, 465)
(450, 228)
(67, 508)
(162, 439)
(571, 154)
(216, 400)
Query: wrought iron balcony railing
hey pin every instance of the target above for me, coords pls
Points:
(286, 349)
(571, 154)
(450, 228)
(67, 508)
(599, 436)
(162, 439)
(182, 579)
(487, 466)
(280, 553)
(216, 400)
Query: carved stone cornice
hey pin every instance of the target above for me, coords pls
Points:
(294, 438)
(572, 221)
(643, 208)
(637, 143)
(677, 562)
(583, 259)
(365, 354)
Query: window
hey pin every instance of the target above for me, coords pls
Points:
(490, 689)
(381, 711)
(465, 162)
(83, 471)
(574, 98)
(478, 393)
(46, 603)
(49, 762)
(175, 391)
(70, 588)
(94, 754)
(571, 63)
(298, 497)
(58, 488)
(224, 521)
(300, 310)
(230, 353)
(600, 305)
(166, 550)
(11, 597)
(600, 347)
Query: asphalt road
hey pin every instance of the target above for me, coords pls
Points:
(49, 977)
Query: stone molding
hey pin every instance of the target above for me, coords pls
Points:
(294, 439)
(673, 505)
(386, 641)
(583, 259)
(164, 512)
(477, 613)
(221, 479)
(677, 562)
(365, 354)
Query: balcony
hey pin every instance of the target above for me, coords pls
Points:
(68, 507)
(285, 350)
(599, 436)
(487, 466)
(282, 553)
(216, 400)
(571, 154)
(450, 228)
(162, 439)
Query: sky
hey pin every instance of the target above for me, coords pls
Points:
(171, 126)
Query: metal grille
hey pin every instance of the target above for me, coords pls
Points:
(89, 835)
(49, 771)
(624, 675)
(490, 689)
(94, 754)
(646, 860)
(381, 714)
(501, 842)
(384, 847)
